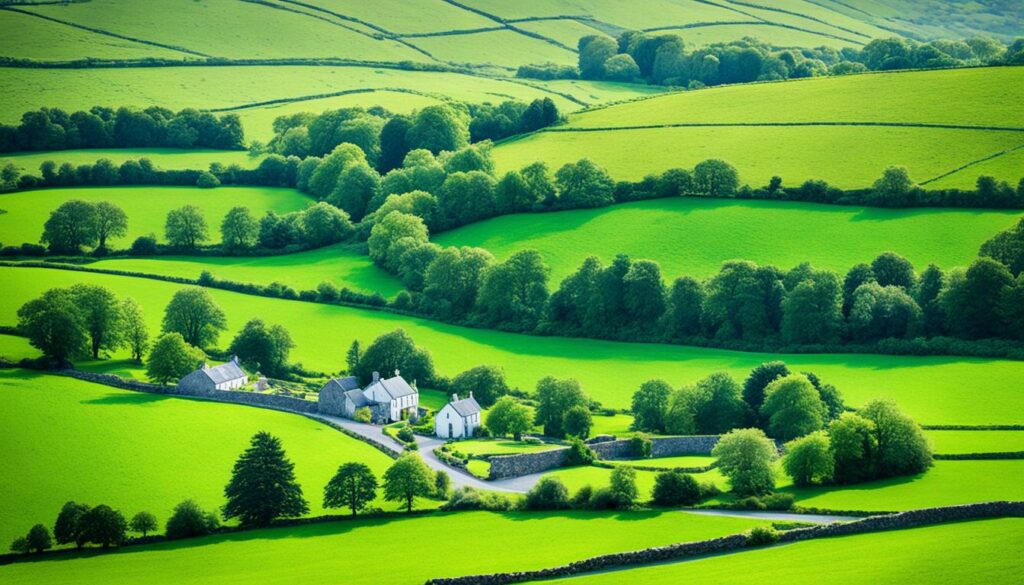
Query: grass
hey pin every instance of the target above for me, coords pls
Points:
(433, 399)
(311, 554)
(503, 48)
(690, 236)
(498, 447)
(138, 451)
(15, 348)
(302, 271)
(794, 153)
(597, 477)
(981, 551)
(950, 442)
(409, 16)
(978, 97)
(935, 390)
(774, 35)
(671, 462)
(164, 158)
(479, 468)
(616, 424)
(1007, 165)
(146, 207)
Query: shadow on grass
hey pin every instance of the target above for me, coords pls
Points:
(128, 398)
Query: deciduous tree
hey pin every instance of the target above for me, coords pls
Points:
(353, 486)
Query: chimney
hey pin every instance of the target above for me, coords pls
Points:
(470, 393)
(376, 376)
(397, 372)
(235, 359)
(455, 397)
(206, 366)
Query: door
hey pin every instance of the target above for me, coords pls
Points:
(449, 430)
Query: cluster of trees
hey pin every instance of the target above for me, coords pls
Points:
(671, 488)
(81, 524)
(83, 320)
(100, 127)
(131, 172)
(387, 138)
(783, 404)
(77, 224)
(664, 59)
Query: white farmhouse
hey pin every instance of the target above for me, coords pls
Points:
(391, 399)
(402, 400)
(458, 419)
(227, 376)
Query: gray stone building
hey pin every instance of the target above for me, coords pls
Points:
(226, 376)
(390, 399)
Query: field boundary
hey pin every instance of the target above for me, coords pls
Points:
(972, 163)
(736, 542)
(925, 125)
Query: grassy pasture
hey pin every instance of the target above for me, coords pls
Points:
(222, 28)
(981, 551)
(314, 555)
(982, 96)
(498, 447)
(759, 152)
(623, 15)
(774, 35)
(146, 207)
(1006, 166)
(935, 390)
(164, 158)
(29, 37)
(408, 16)
(951, 442)
(303, 270)
(15, 348)
(65, 439)
(503, 48)
(671, 462)
(695, 236)
(567, 32)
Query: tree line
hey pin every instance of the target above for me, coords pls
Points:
(665, 59)
(102, 127)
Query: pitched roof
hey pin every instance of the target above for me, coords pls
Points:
(466, 406)
(345, 384)
(395, 387)
(357, 397)
(224, 372)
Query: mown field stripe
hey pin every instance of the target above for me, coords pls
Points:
(105, 32)
(972, 163)
(319, 96)
(509, 26)
(782, 124)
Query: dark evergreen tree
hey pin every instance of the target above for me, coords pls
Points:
(263, 486)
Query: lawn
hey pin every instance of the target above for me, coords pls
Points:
(692, 236)
(981, 551)
(315, 554)
(163, 158)
(935, 390)
(670, 462)
(146, 207)
(951, 442)
(15, 348)
(66, 439)
(498, 447)
(302, 271)
(597, 477)
(616, 424)
(760, 152)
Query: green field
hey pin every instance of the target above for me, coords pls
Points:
(302, 271)
(969, 97)
(768, 33)
(315, 554)
(952, 442)
(498, 447)
(163, 158)
(15, 348)
(71, 440)
(936, 390)
(597, 477)
(502, 48)
(695, 236)
(670, 462)
(146, 207)
(982, 551)
(1006, 165)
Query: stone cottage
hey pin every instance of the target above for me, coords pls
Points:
(227, 376)
(389, 400)
(458, 419)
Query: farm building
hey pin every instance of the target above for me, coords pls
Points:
(458, 419)
(390, 399)
(226, 376)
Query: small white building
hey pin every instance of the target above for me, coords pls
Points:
(227, 376)
(458, 419)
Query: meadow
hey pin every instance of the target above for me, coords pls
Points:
(671, 462)
(145, 206)
(691, 236)
(502, 48)
(339, 264)
(795, 153)
(499, 447)
(314, 554)
(935, 390)
(163, 158)
(980, 551)
(952, 442)
(71, 440)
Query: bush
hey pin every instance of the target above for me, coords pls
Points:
(762, 535)
(582, 497)
(640, 446)
(144, 246)
(406, 435)
(579, 453)
(207, 180)
(672, 488)
(442, 485)
(778, 502)
(189, 520)
(548, 494)
(750, 503)
(363, 414)
(623, 486)
(468, 498)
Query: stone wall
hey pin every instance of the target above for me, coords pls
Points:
(898, 521)
(526, 463)
(238, 397)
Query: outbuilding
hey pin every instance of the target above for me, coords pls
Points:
(226, 376)
(458, 419)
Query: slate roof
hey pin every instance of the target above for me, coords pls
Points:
(224, 372)
(466, 406)
(357, 397)
(346, 384)
(395, 387)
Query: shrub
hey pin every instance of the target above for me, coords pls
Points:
(405, 435)
(363, 414)
(762, 535)
(39, 539)
(582, 497)
(442, 485)
(207, 180)
(189, 520)
(548, 494)
(809, 459)
(623, 486)
(672, 488)
(579, 453)
(577, 422)
(778, 502)
(751, 503)
(144, 246)
(640, 446)
(19, 545)
(468, 498)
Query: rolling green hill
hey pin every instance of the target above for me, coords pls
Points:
(163, 158)
(935, 390)
(146, 207)
(690, 236)
(845, 130)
